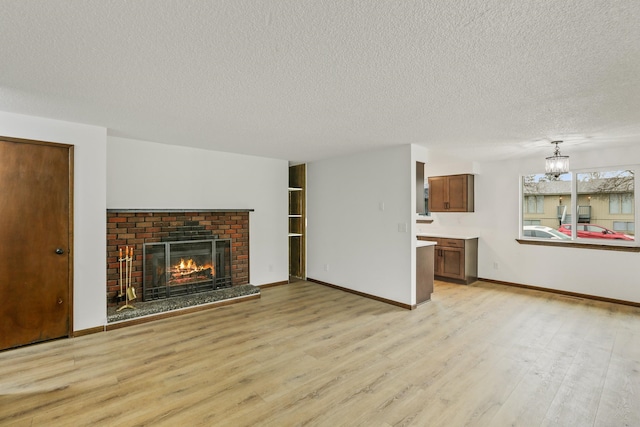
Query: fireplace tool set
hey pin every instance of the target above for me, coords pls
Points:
(129, 292)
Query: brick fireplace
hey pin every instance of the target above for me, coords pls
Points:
(141, 230)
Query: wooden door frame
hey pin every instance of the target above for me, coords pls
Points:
(70, 149)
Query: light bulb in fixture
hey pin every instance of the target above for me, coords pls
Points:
(557, 164)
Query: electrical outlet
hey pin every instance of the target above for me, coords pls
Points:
(495, 265)
(381, 206)
(402, 227)
(326, 267)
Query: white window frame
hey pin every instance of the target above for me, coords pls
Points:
(574, 207)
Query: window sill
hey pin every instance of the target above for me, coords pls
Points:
(579, 245)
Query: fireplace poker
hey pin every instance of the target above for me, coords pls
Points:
(120, 261)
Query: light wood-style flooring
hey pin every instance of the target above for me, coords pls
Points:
(306, 354)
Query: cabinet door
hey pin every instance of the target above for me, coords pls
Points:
(437, 262)
(451, 262)
(451, 193)
(438, 194)
(457, 194)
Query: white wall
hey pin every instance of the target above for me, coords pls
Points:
(89, 307)
(608, 274)
(346, 229)
(147, 175)
(351, 242)
(418, 154)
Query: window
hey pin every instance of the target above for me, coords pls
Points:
(540, 190)
(426, 197)
(594, 206)
(535, 204)
(621, 203)
(623, 226)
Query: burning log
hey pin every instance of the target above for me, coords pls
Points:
(180, 277)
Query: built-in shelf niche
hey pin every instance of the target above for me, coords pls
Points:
(297, 221)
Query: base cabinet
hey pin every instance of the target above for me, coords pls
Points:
(424, 273)
(450, 262)
(455, 259)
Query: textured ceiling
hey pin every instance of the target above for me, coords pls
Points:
(305, 79)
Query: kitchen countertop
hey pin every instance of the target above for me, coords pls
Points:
(446, 236)
(423, 243)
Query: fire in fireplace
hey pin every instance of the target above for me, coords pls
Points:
(185, 267)
(190, 271)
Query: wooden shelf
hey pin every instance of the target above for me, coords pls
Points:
(297, 221)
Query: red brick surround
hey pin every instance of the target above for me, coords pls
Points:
(133, 229)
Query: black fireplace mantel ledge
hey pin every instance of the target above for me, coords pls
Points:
(178, 210)
(177, 303)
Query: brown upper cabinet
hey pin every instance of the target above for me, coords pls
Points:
(451, 193)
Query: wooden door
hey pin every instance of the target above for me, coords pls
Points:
(35, 242)
(438, 194)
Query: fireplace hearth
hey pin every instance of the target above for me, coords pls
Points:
(213, 298)
(188, 267)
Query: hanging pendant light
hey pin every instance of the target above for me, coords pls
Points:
(557, 164)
